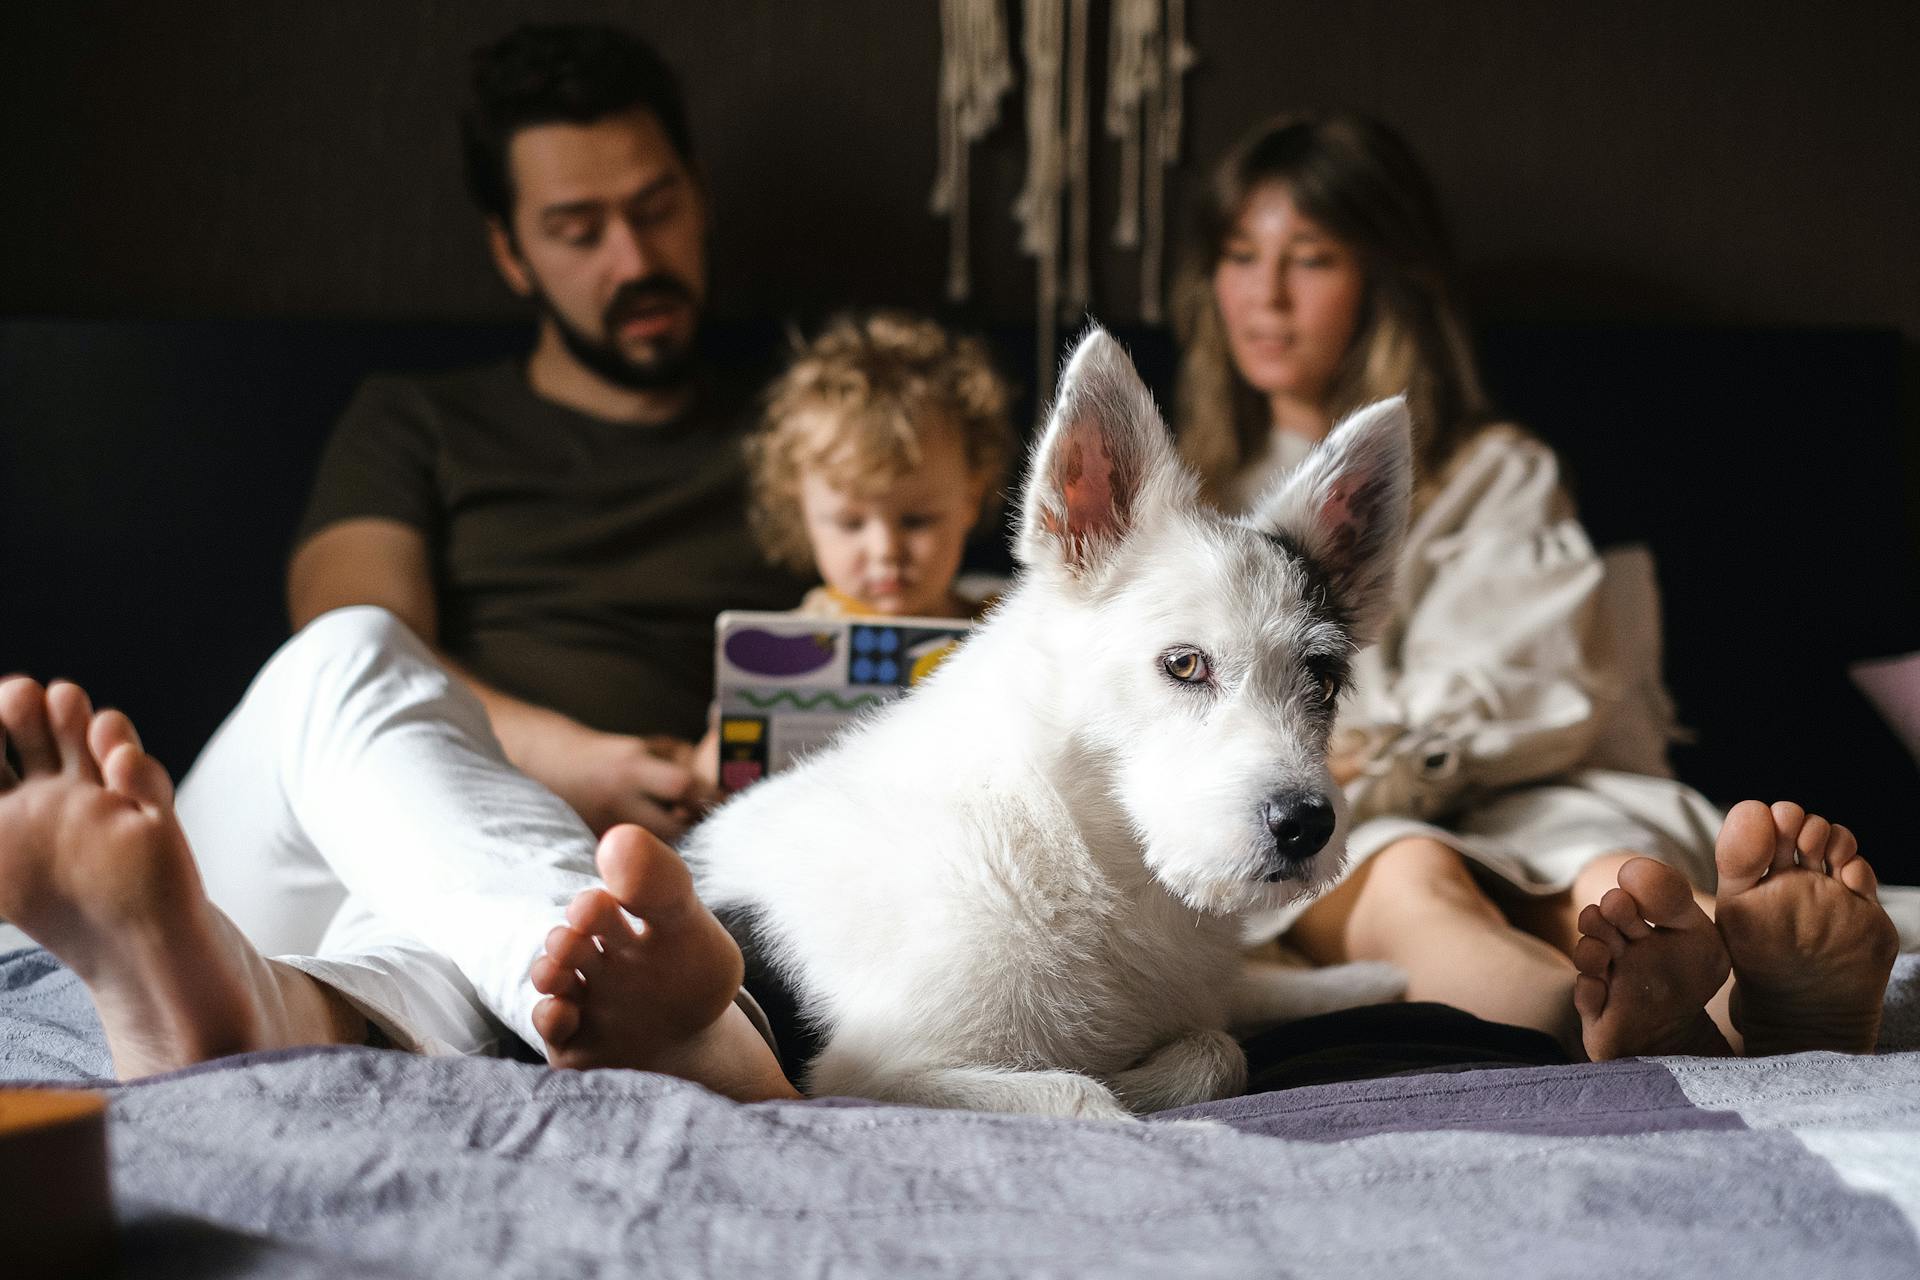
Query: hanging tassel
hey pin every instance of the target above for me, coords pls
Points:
(1076, 296)
(1148, 58)
(1130, 69)
(1166, 116)
(1038, 208)
(1181, 58)
(976, 71)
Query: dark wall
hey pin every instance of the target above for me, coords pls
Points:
(1639, 158)
(1636, 160)
(1651, 170)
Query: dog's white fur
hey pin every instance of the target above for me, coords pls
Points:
(1021, 888)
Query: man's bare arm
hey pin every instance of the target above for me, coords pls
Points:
(607, 778)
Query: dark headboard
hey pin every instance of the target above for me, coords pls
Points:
(151, 474)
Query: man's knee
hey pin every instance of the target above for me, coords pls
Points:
(358, 624)
(357, 629)
(347, 643)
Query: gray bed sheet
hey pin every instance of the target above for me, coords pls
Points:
(361, 1162)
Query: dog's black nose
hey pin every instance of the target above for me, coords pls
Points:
(1301, 823)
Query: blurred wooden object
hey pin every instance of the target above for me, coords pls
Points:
(56, 1218)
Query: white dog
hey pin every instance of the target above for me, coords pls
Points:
(1022, 888)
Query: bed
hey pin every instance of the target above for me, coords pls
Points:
(348, 1161)
(359, 1162)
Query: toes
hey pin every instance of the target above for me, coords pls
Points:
(1624, 914)
(107, 731)
(1842, 848)
(1591, 957)
(551, 978)
(23, 714)
(1662, 894)
(1810, 850)
(645, 874)
(1596, 927)
(1589, 997)
(1859, 877)
(136, 775)
(1745, 848)
(1788, 820)
(557, 1021)
(124, 763)
(574, 950)
(68, 713)
(595, 913)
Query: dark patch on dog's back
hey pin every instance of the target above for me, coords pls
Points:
(796, 1039)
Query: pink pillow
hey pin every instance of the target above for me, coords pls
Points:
(1892, 685)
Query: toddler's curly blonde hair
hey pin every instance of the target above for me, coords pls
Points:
(859, 400)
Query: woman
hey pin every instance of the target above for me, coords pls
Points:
(1504, 748)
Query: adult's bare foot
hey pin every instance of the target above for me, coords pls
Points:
(94, 867)
(1649, 960)
(658, 998)
(1811, 947)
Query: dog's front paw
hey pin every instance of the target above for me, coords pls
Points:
(1071, 1095)
(1270, 994)
(1035, 1093)
(1066, 1094)
(1369, 981)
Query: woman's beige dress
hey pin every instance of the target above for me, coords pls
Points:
(1513, 709)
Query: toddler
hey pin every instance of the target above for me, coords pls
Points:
(883, 446)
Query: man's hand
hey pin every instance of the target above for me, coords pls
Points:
(609, 778)
(706, 754)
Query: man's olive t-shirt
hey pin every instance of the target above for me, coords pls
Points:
(579, 563)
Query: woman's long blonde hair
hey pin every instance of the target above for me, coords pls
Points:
(1362, 184)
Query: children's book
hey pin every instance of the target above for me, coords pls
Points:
(786, 684)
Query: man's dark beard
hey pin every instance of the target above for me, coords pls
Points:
(670, 370)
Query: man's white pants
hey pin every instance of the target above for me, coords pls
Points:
(357, 818)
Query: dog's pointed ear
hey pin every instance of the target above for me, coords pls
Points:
(1347, 506)
(1102, 465)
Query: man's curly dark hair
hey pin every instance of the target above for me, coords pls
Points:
(573, 73)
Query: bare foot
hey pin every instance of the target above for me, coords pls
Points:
(660, 998)
(1649, 960)
(94, 867)
(1800, 912)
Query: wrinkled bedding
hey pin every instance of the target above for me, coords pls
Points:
(364, 1162)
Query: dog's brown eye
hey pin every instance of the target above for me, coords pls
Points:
(1329, 686)
(1188, 666)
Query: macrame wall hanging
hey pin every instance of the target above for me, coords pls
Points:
(1147, 59)
(975, 73)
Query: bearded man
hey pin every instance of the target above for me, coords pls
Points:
(561, 530)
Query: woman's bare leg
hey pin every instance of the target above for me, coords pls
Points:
(95, 867)
(1415, 904)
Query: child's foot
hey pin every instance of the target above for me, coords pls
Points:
(1812, 948)
(1649, 960)
(94, 867)
(660, 998)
